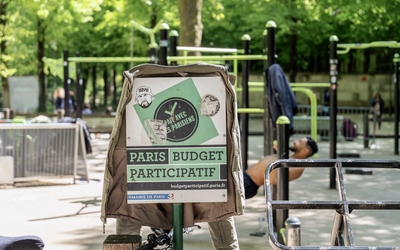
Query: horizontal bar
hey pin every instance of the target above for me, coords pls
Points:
(211, 50)
(108, 59)
(250, 110)
(219, 57)
(297, 84)
(348, 46)
(362, 205)
(391, 44)
(330, 163)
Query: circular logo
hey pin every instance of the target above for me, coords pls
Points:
(179, 116)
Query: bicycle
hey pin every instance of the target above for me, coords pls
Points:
(162, 238)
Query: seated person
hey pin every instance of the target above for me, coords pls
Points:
(86, 109)
(254, 176)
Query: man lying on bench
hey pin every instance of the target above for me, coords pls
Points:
(253, 178)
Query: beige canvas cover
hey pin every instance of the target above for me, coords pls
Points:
(114, 201)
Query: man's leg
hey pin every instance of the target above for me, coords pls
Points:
(128, 227)
(223, 234)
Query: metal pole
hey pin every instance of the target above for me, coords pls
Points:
(293, 236)
(79, 89)
(333, 73)
(173, 51)
(178, 207)
(366, 130)
(163, 44)
(245, 100)
(153, 53)
(177, 216)
(270, 50)
(282, 128)
(66, 82)
(396, 103)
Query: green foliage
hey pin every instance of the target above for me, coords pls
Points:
(103, 27)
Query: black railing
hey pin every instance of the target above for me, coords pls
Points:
(342, 236)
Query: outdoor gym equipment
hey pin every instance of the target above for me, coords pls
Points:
(346, 47)
(342, 235)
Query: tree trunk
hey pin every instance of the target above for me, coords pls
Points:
(3, 47)
(191, 26)
(293, 56)
(40, 53)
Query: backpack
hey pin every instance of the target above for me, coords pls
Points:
(349, 129)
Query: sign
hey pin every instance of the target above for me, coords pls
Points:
(176, 140)
(24, 93)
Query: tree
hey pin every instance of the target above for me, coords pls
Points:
(191, 26)
(33, 22)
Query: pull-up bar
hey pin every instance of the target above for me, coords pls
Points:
(150, 32)
(378, 44)
(210, 50)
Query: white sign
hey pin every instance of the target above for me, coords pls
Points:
(176, 140)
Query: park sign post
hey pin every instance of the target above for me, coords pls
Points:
(176, 140)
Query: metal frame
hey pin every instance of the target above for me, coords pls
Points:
(45, 150)
(342, 232)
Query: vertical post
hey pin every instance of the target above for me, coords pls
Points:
(396, 103)
(94, 83)
(366, 130)
(153, 52)
(79, 89)
(66, 82)
(245, 100)
(173, 44)
(333, 73)
(282, 129)
(177, 218)
(163, 44)
(177, 209)
(270, 50)
(293, 236)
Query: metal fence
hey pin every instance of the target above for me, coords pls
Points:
(353, 123)
(360, 120)
(44, 150)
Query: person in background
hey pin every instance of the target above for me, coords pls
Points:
(378, 105)
(86, 109)
(59, 95)
(109, 111)
(72, 101)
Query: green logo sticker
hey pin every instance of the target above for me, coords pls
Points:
(179, 116)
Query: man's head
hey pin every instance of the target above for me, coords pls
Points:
(304, 147)
(144, 96)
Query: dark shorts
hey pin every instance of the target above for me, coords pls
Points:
(250, 188)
